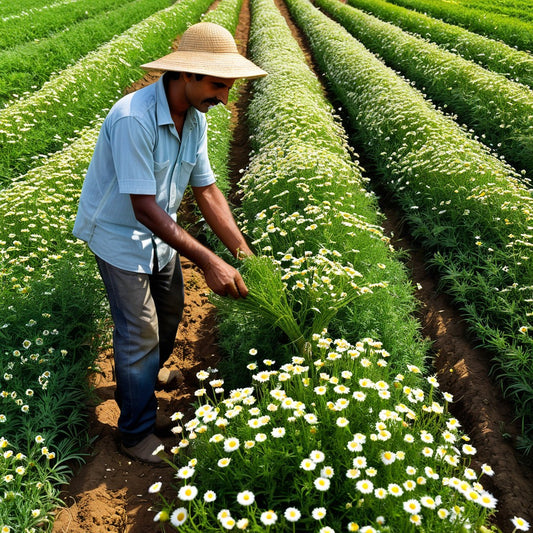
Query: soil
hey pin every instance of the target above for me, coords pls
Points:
(109, 493)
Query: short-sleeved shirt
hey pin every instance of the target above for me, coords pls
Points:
(139, 151)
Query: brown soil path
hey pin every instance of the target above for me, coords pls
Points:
(109, 494)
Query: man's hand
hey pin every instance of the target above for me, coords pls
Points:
(224, 280)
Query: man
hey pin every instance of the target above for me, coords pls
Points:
(151, 146)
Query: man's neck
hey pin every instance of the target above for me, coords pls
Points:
(177, 103)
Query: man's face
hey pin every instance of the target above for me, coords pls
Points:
(207, 92)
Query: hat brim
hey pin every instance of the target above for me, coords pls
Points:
(220, 65)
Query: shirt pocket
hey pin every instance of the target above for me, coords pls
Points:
(178, 184)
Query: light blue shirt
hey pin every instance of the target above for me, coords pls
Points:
(139, 151)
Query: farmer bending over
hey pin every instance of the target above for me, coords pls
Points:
(152, 144)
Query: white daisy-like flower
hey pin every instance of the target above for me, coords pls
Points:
(292, 514)
(185, 472)
(322, 483)
(395, 490)
(520, 524)
(487, 469)
(327, 471)
(468, 449)
(307, 464)
(178, 516)
(318, 513)
(365, 486)
(428, 501)
(342, 422)
(228, 522)
(243, 523)
(231, 444)
(268, 517)
(278, 432)
(246, 497)
(187, 492)
(380, 493)
(156, 487)
(210, 496)
(317, 456)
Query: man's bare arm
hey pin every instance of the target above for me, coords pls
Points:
(221, 277)
(217, 214)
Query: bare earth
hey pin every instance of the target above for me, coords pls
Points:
(109, 494)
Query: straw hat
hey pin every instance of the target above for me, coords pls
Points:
(207, 48)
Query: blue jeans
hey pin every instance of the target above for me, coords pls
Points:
(146, 311)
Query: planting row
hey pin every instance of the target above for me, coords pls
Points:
(492, 54)
(519, 9)
(24, 8)
(49, 329)
(512, 31)
(500, 111)
(27, 66)
(41, 123)
(326, 433)
(467, 207)
(40, 24)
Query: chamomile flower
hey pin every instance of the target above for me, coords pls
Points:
(395, 490)
(292, 514)
(245, 497)
(231, 444)
(178, 516)
(520, 524)
(365, 486)
(317, 456)
(268, 517)
(322, 483)
(210, 496)
(428, 501)
(318, 513)
(185, 472)
(380, 493)
(278, 432)
(327, 471)
(307, 464)
(411, 506)
(156, 487)
(187, 493)
(487, 470)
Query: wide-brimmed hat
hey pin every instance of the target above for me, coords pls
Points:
(207, 48)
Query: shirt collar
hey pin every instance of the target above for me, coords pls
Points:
(163, 111)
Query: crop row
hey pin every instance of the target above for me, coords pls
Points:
(27, 66)
(34, 126)
(24, 8)
(498, 110)
(492, 54)
(42, 23)
(325, 435)
(519, 8)
(514, 32)
(466, 206)
(50, 312)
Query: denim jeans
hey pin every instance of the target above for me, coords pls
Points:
(146, 311)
